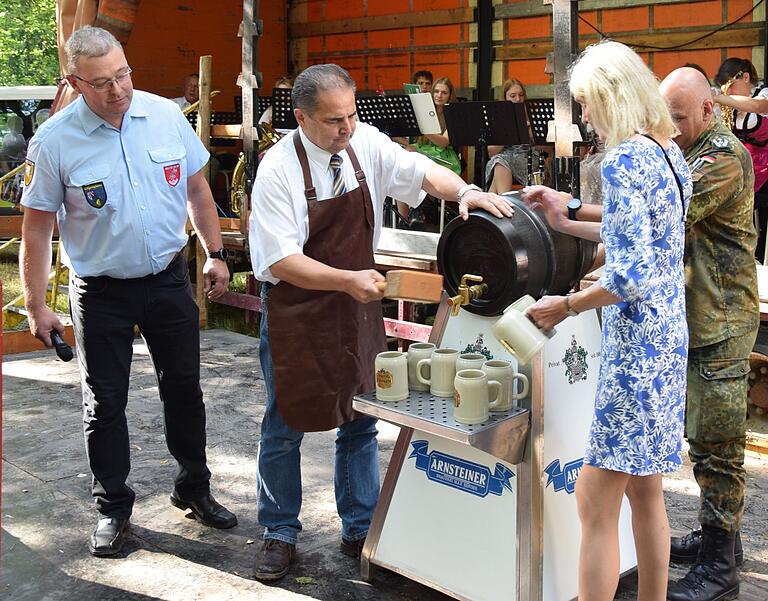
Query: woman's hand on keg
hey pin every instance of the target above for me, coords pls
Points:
(549, 311)
(493, 203)
(551, 202)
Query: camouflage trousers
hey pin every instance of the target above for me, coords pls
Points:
(715, 425)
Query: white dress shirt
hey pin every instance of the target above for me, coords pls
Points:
(182, 102)
(279, 225)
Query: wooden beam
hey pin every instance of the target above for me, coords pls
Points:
(22, 341)
(534, 9)
(229, 224)
(429, 18)
(10, 226)
(757, 443)
(751, 35)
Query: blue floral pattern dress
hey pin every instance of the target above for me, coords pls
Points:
(640, 404)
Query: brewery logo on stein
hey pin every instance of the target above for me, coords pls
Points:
(479, 347)
(458, 473)
(576, 362)
(384, 379)
(565, 478)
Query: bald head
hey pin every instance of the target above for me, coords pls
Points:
(689, 99)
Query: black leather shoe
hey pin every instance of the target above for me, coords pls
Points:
(352, 548)
(274, 560)
(108, 537)
(685, 549)
(206, 510)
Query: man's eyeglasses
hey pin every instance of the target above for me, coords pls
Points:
(102, 85)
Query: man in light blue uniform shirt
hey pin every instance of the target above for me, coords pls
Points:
(120, 171)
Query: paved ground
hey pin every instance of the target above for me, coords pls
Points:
(47, 511)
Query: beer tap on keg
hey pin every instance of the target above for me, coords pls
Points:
(467, 293)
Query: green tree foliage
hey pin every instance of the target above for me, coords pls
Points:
(28, 54)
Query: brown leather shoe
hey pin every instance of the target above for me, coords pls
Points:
(352, 548)
(274, 560)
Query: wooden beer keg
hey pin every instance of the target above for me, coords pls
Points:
(515, 256)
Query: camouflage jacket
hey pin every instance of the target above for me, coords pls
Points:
(720, 276)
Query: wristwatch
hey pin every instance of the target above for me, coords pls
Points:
(220, 254)
(464, 189)
(573, 206)
(570, 311)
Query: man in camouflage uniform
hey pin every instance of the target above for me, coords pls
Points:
(723, 317)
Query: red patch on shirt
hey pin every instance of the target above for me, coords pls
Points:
(172, 174)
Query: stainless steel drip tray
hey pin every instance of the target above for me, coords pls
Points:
(502, 435)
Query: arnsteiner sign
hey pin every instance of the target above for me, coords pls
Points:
(461, 474)
(565, 478)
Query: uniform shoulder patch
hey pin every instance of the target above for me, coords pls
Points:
(720, 142)
(29, 172)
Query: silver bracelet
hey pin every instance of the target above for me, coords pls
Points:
(464, 189)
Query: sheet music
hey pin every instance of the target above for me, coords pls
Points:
(426, 115)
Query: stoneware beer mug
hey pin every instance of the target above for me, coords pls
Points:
(517, 333)
(502, 371)
(417, 352)
(442, 370)
(391, 376)
(470, 361)
(475, 395)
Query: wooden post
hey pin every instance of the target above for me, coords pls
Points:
(249, 80)
(204, 133)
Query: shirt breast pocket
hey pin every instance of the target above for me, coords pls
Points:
(169, 164)
(94, 185)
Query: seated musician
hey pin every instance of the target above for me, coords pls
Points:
(284, 83)
(508, 165)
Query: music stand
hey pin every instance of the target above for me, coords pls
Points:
(282, 109)
(483, 123)
(264, 103)
(540, 112)
(392, 115)
(192, 119)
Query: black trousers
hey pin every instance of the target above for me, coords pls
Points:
(761, 206)
(104, 311)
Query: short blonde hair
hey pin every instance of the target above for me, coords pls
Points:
(621, 92)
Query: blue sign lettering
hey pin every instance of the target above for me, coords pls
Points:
(565, 478)
(461, 474)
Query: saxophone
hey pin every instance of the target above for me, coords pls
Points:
(726, 112)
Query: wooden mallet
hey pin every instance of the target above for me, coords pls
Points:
(413, 286)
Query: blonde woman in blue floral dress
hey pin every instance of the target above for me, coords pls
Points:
(637, 429)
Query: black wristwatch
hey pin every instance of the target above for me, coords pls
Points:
(220, 254)
(573, 206)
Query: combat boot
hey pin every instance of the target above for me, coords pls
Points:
(685, 549)
(714, 576)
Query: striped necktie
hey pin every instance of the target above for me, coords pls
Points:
(338, 180)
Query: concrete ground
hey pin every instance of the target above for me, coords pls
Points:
(47, 511)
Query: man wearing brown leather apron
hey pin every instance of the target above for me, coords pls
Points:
(315, 221)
